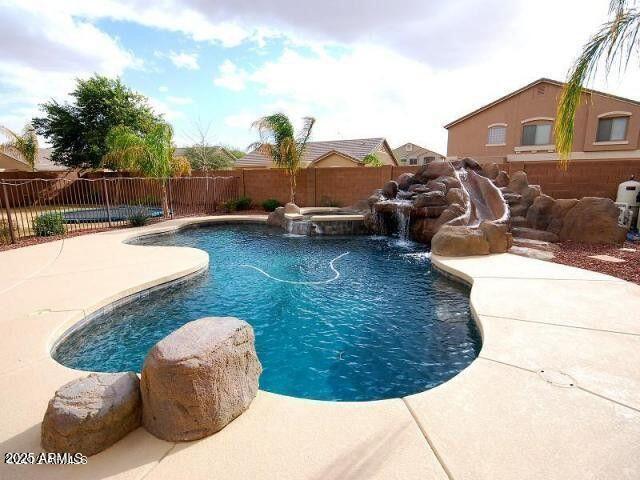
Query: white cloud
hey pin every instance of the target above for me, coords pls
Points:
(230, 76)
(179, 100)
(188, 61)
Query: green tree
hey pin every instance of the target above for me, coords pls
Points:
(149, 154)
(279, 141)
(78, 130)
(372, 160)
(209, 157)
(616, 40)
(23, 145)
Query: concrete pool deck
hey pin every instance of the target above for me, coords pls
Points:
(555, 392)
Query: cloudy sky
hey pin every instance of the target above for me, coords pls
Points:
(394, 68)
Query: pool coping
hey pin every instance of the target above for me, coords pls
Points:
(428, 441)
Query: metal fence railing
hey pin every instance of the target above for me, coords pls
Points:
(46, 207)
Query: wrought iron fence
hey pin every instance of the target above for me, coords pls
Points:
(46, 207)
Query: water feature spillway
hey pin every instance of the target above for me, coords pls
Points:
(440, 193)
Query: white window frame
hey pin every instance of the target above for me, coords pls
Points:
(496, 125)
(610, 116)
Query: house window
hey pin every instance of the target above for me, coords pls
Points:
(497, 135)
(612, 129)
(536, 134)
(429, 159)
(413, 161)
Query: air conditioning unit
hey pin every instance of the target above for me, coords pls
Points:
(625, 215)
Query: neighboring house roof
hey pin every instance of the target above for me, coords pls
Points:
(533, 84)
(416, 150)
(181, 152)
(44, 163)
(355, 149)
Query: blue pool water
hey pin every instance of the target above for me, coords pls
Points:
(386, 325)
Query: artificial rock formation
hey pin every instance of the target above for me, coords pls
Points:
(439, 193)
(89, 414)
(537, 216)
(199, 378)
(276, 218)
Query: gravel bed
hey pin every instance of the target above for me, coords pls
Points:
(577, 255)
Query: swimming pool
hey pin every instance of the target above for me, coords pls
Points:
(336, 318)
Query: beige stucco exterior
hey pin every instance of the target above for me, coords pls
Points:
(537, 104)
(10, 164)
(334, 159)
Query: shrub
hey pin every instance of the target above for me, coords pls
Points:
(271, 204)
(138, 219)
(5, 234)
(243, 203)
(230, 206)
(48, 224)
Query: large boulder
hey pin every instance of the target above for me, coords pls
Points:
(199, 378)
(491, 170)
(558, 212)
(405, 180)
(449, 182)
(291, 208)
(89, 414)
(502, 180)
(459, 241)
(593, 220)
(540, 213)
(498, 236)
(434, 185)
(276, 218)
(529, 194)
(435, 169)
(471, 164)
(454, 214)
(518, 182)
(390, 189)
(429, 199)
(423, 229)
(455, 195)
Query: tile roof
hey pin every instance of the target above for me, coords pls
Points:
(356, 149)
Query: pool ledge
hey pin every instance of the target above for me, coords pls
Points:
(555, 392)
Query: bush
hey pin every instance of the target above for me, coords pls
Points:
(230, 206)
(243, 203)
(138, 219)
(271, 204)
(5, 234)
(49, 224)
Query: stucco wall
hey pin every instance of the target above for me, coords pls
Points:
(10, 164)
(469, 137)
(334, 160)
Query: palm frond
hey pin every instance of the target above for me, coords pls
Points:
(617, 40)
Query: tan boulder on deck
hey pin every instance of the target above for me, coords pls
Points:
(459, 241)
(198, 379)
(89, 414)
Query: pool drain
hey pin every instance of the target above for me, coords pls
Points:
(557, 378)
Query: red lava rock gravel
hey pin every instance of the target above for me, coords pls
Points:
(577, 255)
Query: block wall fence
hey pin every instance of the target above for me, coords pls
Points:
(345, 186)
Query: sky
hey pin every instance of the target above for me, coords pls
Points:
(399, 69)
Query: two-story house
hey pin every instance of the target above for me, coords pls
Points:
(519, 127)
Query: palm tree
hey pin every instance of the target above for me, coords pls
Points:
(617, 40)
(279, 142)
(148, 155)
(23, 146)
